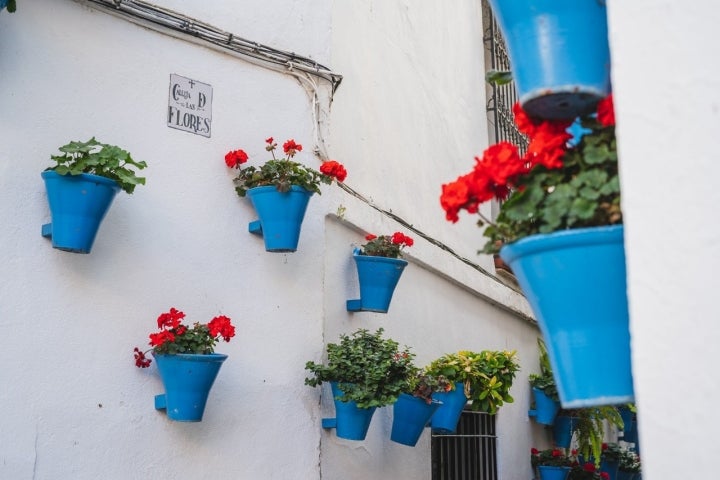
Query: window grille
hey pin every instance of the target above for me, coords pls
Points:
(501, 98)
(468, 454)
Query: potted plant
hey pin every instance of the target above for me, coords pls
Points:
(559, 53)
(561, 219)
(547, 402)
(379, 269)
(80, 188)
(280, 190)
(551, 463)
(10, 4)
(629, 466)
(187, 362)
(610, 459)
(415, 406)
(365, 371)
(483, 378)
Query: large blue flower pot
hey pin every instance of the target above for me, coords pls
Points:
(410, 417)
(545, 408)
(548, 472)
(281, 215)
(446, 417)
(350, 422)
(378, 277)
(563, 429)
(78, 204)
(559, 54)
(574, 281)
(187, 379)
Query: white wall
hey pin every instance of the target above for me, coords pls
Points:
(667, 98)
(408, 116)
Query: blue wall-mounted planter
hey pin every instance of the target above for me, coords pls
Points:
(378, 277)
(281, 215)
(545, 408)
(574, 281)
(410, 417)
(187, 379)
(563, 429)
(78, 204)
(559, 54)
(350, 422)
(548, 472)
(446, 417)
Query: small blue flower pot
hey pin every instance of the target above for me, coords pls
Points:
(378, 277)
(548, 472)
(563, 429)
(350, 422)
(446, 417)
(410, 417)
(78, 204)
(281, 215)
(545, 408)
(574, 281)
(559, 54)
(187, 379)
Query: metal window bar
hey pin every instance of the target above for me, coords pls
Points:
(501, 98)
(468, 454)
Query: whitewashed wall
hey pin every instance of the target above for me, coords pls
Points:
(666, 79)
(408, 116)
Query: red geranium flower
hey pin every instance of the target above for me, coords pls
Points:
(291, 148)
(334, 169)
(606, 111)
(235, 158)
(221, 326)
(370, 236)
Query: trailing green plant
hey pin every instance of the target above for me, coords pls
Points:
(544, 380)
(486, 376)
(590, 429)
(282, 173)
(369, 369)
(101, 159)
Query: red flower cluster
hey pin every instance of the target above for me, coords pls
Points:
(399, 238)
(501, 165)
(141, 361)
(236, 158)
(221, 326)
(290, 147)
(332, 168)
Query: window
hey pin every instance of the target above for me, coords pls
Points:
(468, 454)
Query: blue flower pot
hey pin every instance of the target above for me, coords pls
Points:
(187, 379)
(559, 54)
(545, 408)
(78, 204)
(610, 467)
(574, 281)
(627, 475)
(410, 417)
(351, 422)
(632, 436)
(378, 278)
(281, 215)
(548, 472)
(446, 417)
(627, 416)
(563, 429)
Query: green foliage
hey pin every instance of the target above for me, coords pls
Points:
(498, 77)
(11, 6)
(544, 380)
(584, 193)
(370, 370)
(283, 174)
(590, 430)
(487, 376)
(611, 452)
(195, 340)
(629, 461)
(423, 384)
(100, 159)
(551, 457)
